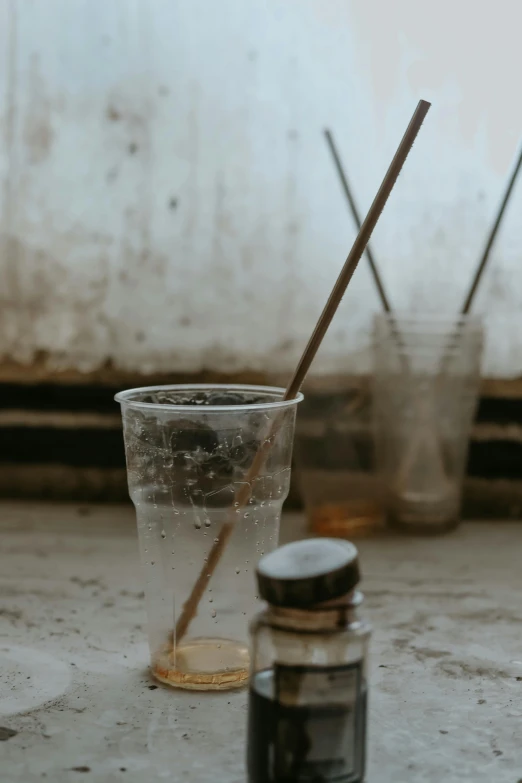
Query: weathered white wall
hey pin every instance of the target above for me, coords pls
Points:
(168, 202)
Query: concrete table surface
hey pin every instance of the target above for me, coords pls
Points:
(446, 671)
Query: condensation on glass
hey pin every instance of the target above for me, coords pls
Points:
(188, 450)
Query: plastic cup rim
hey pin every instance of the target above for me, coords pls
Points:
(125, 398)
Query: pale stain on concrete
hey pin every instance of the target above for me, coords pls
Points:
(445, 665)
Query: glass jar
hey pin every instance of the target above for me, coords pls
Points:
(308, 686)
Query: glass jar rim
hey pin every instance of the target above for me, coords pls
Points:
(127, 398)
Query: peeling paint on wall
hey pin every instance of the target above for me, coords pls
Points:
(167, 202)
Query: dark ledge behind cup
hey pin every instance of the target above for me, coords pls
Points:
(60, 437)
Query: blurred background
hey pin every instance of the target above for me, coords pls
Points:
(169, 210)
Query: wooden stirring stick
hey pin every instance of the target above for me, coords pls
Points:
(243, 493)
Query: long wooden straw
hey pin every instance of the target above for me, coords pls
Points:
(244, 492)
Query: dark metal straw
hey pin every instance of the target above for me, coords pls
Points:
(466, 307)
(244, 492)
(491, 238)
(386, 306)
(355, 214)
(455, 336)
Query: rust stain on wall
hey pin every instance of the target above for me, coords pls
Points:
(38, 132)
(113, 114)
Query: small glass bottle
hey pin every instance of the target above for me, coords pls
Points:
(308, 685)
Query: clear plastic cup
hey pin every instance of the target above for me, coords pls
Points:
(426, 383)
(189, 450)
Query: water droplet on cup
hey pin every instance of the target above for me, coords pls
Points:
(163, 534)
(213, 612)
(197, 524)
(216, 540)
(207, 522)
(237, 570)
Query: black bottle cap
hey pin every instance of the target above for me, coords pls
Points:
(308, 572)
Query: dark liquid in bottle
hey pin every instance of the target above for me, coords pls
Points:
(318, 743)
